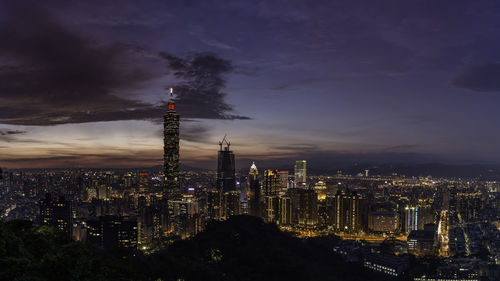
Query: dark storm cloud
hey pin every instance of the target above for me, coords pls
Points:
(11, 132)
(195, 133)
(191, 131)
(9, 135)
(82, 160)
(51, 75)
(481, 78)
(202, 81)
(39, 159)
(49, 64)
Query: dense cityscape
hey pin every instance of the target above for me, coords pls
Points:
(381, 220)
(212, 140)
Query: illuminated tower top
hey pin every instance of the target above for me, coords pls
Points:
(253, 172)
(171, 104)
(253, 167)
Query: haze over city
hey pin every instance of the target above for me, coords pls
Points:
(82, 83)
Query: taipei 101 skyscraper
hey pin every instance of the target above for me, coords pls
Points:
(171, 189)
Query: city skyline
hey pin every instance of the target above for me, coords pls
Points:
(249, 140)
(410, 84)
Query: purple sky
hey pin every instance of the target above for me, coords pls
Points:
(82, 82)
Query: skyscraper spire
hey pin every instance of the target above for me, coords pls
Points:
(253, 167)
(171, 104)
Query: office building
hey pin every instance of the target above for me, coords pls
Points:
(271, 183)
(300, 173)
(411, 219)
(271, 208)
(466, 205)
(421, 242)
(284, 183)
(415, 217)
(104, 192)
(213, 204)
(321, 190)
(285, 211)
(348, 209)
(231, 204)
(143, 182)
(171, 151)
(58, 213)
(382, 222)
(304, 207)
(149, 225)
(254, 200)
(185, 216)
(112, 232)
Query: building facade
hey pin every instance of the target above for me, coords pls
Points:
(300, 173)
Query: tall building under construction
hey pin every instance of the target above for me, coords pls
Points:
(226, 179)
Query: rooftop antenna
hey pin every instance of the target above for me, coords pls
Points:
(171, 105)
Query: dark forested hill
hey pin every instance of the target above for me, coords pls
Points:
(241, 248)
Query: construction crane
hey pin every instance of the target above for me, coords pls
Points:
(224, 141)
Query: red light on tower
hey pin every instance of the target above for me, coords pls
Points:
(171, 105)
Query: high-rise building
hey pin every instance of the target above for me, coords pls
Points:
(421, 242)
(254, 194)
(411, 219)
(104, 192)
(186, 218)
(320, 188)
(171, 151)
(231, 204)
(271, 183)
(285, 211)
(466, 205)
(271, 208)
(300, 173)
(382, 222)
(214, 204)
(415, 217)
(143, 182)
(148, 224)
(284, 179)
(226, 179)
(58, 213)
(356, 207)
(348, 208)
(111, 232)
(304, 207)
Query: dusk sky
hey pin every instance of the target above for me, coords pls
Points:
(82, 83)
